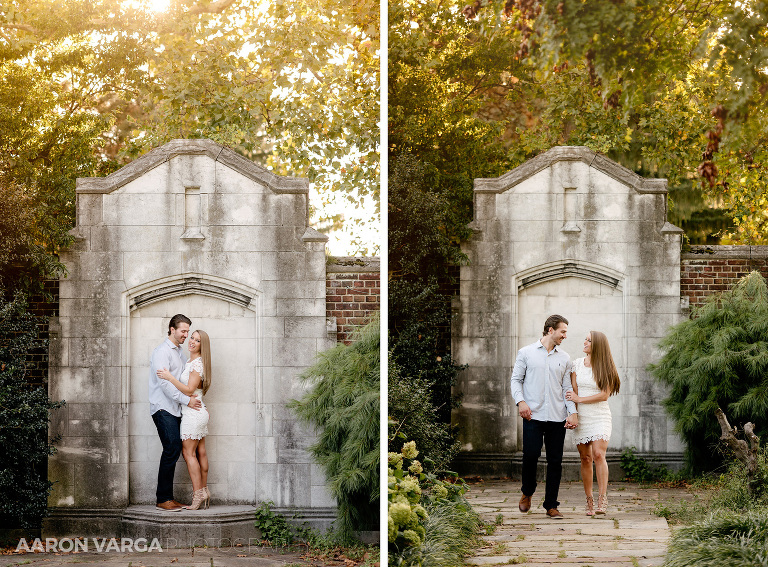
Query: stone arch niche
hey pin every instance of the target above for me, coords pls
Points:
(573, 233)
(194, 228)
(229, 313)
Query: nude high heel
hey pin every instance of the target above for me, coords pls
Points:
(207, 497)
(590, 506)
(198, 497)
(602, 504)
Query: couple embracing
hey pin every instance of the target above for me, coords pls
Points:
(176, 388)
(554, 394)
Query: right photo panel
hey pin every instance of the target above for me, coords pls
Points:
(577, 302)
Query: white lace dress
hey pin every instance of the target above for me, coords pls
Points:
(194, 423)
(595, 418)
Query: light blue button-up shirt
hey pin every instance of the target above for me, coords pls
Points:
(541, 379)
(162, 394)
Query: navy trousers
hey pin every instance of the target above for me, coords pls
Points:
(552, 434)
(168, 428)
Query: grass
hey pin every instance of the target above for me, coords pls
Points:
(499, 548)
(726, 524)
(452, 531)
(722, 539)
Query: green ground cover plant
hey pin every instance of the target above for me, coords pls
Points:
(638, 469)
(278, 531)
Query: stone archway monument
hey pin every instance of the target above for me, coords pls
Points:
(193, 228)
(574, 233)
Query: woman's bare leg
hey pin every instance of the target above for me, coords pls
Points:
(202, 458)
(189, 450)
(599, 446)
(585, 452)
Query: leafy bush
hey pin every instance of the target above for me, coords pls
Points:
(343, 404)
(722, 540)
(430, 523)
(718, 358)
(24, 417)
(273, 527)
(411, 409)
(638, 469)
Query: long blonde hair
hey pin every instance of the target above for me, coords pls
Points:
(603, 368)
(205, 354)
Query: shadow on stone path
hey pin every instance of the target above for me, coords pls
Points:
(628, 535)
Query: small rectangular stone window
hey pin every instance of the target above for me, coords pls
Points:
(569, 210)
(192, 214)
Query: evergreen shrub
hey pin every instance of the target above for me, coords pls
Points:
(24, 417)
(718, 358)
(343, 404)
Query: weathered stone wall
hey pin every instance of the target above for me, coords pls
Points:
(709, 269)
(573, 233)
(345, 270)
(353, 293)
(190, 227)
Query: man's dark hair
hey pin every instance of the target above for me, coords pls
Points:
(175, 320)
(553, 321)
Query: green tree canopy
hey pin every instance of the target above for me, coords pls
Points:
(718, 358)
(674, 90)
(85, 87)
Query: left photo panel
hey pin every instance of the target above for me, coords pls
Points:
(190, 281)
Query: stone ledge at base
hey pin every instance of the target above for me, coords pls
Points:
(218, 526)
(510, 465)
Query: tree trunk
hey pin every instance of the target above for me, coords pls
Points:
(743, 451)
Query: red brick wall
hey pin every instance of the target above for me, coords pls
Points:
(353, 293)
(44, 305)
(705, 270)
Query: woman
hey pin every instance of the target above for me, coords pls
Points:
(196, 379)
(594, 379)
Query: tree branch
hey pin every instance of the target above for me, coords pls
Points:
(747, 454)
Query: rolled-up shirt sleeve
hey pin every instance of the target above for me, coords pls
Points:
(518, 375)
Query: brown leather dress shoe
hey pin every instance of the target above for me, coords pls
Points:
(169, 506)
(179, 504)
(525, 503)
(555, 514)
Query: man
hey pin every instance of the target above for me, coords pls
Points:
(540, 379)
(164, 405)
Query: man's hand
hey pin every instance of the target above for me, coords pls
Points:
(194, 403)
(572, 422)
(525, 411)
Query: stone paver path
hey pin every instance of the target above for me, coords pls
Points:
(628, 535)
